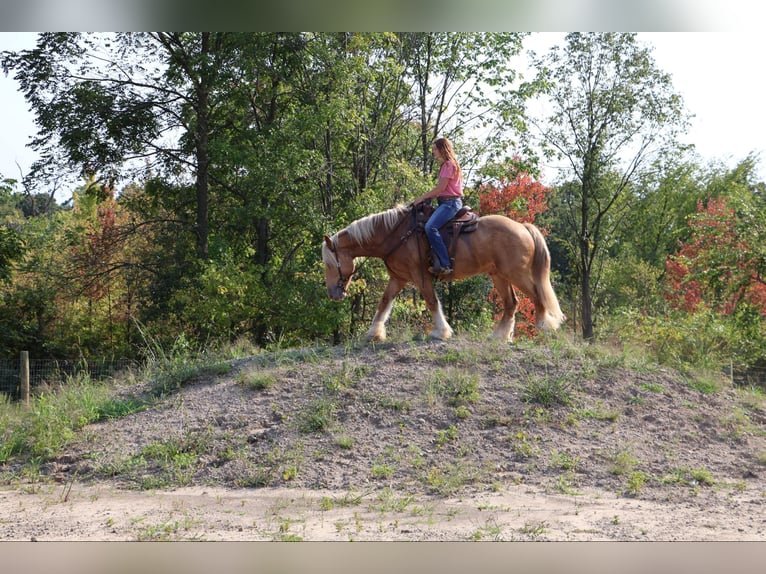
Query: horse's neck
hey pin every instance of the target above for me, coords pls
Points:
(369, 248)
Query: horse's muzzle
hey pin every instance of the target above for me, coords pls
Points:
(337, 293)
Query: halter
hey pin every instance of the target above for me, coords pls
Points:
(341, 280)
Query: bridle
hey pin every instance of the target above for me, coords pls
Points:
(341, 280)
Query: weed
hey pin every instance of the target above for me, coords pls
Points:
(548, 390)
(596, 413)
(260, 477)
(457, 387)
(318, 417)
(256, 379)
(652, 387)
(636, 481)
(523, 446)
(388, 501)
(623, 463)
(445, 436)
(689, 477)
(462, 412)
(451, 478)
(346, 377)
(344, 441)
(380, 471)
(490, 531)
(563, 460)
(533, 529)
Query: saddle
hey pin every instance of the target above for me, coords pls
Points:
(465, 221)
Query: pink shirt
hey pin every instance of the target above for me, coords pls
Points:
(455, 186)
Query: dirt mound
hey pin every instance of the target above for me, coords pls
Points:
(460, 427)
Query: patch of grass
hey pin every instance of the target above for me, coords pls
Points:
(548, 390)
(523, 446)
(445, 436)
(563, 460)
(450, 478)
(165, 531)
(760, 458)
(345, 441)
(388, 501)
(260, 477)
(457, 387)
(318, 416)
(596, 413)
(256, 379)
(636, 481)
(534, 529)
(707, 383)
(51, 420)
(623, 463)
(689, 477)
(381, 471)
(652, 387)
(347, 376)
(462, 412)
(490, 531)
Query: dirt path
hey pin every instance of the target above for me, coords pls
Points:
(80, 512)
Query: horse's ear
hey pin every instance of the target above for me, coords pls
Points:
(328, 241)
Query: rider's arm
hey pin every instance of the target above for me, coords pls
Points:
(435, 192)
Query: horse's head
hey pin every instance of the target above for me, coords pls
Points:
(339, 267)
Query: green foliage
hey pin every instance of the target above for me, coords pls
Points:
(549, 389)
(52, 419)
(456, 386)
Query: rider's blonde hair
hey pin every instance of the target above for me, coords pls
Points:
(448, 153)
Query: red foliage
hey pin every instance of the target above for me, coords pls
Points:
(714, 268)
(522, 199)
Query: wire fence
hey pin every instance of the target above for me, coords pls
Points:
(747, 377)
(46, 373)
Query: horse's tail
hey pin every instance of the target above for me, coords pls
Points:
(551, 316)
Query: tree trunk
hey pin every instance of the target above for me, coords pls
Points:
(203, 160)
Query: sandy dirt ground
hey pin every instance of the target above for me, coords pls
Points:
(77, 512)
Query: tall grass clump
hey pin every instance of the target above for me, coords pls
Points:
(39, 430)
(170, 369)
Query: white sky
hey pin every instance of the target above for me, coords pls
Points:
(717, 73)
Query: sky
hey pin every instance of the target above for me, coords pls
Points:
(716, 73)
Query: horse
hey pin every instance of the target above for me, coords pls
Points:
(511, 253)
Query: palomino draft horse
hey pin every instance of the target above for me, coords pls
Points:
(511, 253)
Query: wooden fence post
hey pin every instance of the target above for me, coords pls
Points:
(24, 376)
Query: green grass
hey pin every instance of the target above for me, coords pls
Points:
(549, 389)
(256, 379)
(51, 420)
(457, 387)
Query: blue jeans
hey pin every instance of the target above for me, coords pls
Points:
(441, 215)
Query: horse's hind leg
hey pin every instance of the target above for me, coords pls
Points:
(441, 329)
(505, 326)
(377, 331)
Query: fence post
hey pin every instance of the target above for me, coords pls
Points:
(24, 376)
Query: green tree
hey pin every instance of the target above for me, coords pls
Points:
(11, 246)
(611, 112)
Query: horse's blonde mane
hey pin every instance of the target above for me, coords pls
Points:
(363, 229)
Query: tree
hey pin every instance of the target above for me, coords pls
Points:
(463, 82)
(723, 264)
(611, 112)
(11, 245)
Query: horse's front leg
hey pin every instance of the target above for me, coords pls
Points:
(377, 331)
